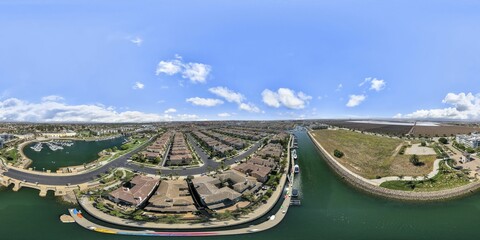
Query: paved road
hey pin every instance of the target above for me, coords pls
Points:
(122, 162)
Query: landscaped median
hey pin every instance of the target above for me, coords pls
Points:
(447, 183)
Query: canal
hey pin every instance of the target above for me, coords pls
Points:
(77, 154)
(331, 209)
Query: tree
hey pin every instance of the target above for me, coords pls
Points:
(415, 160)
(337, 153)
(443, 140)
(423, 144)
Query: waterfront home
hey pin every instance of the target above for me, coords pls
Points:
(239, 181)
(213, 194)
(172, 196)
(257, 171)
(134, 193)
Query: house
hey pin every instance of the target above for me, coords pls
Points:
(213, 194)
(259, 172)
(172, 196)
(239, 182)
(134, 193)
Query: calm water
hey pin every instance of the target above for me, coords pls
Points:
(330, 210)
(81, 152)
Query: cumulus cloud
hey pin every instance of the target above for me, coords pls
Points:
(249, 107)
(169, 67)
(14, 109)
(137, 41)
(224, 115)
(463, 106)
(138, 86)
(375, 84)
(195, 72)
(170, 110)
(204, 102)
(52, 98)
(227, 94)
(235, 97)
(285, 97)
(355, 100)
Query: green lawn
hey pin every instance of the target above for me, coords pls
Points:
(445, 179)
(372, 156)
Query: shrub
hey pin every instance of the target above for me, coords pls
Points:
(337, 153)
(443, 140)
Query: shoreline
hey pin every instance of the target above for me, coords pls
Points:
(360, 184)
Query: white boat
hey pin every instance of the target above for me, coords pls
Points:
(38, 147)
(54, 147)
(296, 169)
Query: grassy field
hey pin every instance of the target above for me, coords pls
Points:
(372, 156)
(445, 179)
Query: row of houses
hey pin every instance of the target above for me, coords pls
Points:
(216, 147)
(242, 133)
(158, 149)
(179, 152)
(173, 196)
(237, 143)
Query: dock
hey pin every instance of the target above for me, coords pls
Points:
(296, 202)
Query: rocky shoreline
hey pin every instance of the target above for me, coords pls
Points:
(395, 194)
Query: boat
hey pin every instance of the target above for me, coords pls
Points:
(54, 147)
(295, 193)
(38, 147)
(296, 169)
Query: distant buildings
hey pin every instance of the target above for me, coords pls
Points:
(134, 193)
(59, 134)
(472, 141)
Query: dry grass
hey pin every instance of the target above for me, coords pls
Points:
(372, 156)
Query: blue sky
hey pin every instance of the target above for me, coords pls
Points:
(119, 61)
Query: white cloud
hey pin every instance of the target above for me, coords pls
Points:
(464, 106)
(170, 110)
(375, 84)
(14, 109)
(195, 72)
(169, 67)
(227, 94)
(355, 100)
(249, 107)
(138, 86)
(205, 102)
(52, 98)
(285, 97)
(137, 41)
(224, 115)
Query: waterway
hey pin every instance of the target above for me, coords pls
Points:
(79, 153)
(331, 209)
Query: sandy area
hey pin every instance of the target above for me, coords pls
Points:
(419, 150)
